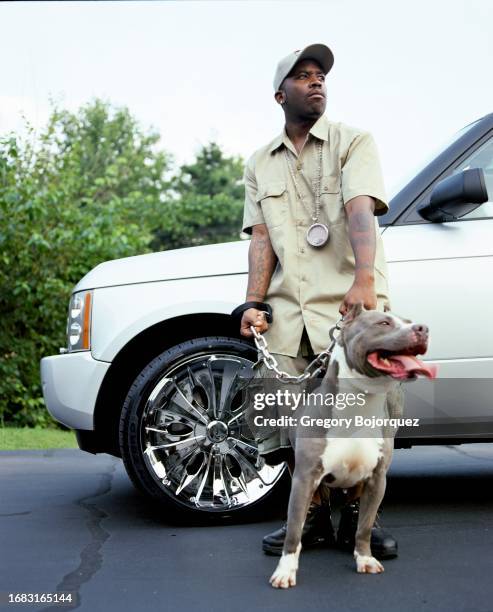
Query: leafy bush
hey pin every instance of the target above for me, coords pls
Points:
(90, 188)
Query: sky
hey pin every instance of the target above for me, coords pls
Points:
(411, 73)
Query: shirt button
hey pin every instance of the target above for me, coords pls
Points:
(303, 278)
(302, 250)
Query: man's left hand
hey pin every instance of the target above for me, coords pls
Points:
(360, 292)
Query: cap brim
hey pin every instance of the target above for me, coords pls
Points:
(320, 53)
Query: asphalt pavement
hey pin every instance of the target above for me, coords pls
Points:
(72, 522)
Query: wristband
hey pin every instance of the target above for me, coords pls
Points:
(263, 306)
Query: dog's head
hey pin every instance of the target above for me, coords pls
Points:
(383, 344)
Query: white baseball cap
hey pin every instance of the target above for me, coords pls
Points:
(320, 53)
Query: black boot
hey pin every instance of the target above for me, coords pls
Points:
(383, 545)
(317, 531)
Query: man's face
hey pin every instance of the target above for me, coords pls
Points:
(305, 94)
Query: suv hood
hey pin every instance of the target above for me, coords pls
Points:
(208, 260)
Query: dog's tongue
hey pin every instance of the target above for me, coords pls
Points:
(414, 366)
(401, 366)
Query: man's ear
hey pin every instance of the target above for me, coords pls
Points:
(353, 312)
(280, 96)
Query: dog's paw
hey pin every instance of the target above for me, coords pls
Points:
(283, 578)
(285, 574)
(368, 565)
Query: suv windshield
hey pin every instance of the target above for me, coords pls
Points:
(401, 183)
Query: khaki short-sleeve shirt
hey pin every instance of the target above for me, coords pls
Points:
(309, 283)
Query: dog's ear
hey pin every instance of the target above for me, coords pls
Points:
(353, 312)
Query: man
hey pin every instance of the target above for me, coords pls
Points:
(311, 199)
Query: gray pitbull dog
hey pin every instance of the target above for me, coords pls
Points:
(374, 352)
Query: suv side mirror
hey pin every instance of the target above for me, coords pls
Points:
(455, 196)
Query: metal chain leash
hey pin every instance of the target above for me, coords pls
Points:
(313, 369)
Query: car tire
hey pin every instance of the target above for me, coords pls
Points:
(184, 440)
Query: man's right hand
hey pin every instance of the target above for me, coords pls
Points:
(254, 317)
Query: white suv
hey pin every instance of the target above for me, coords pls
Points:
(154, 365)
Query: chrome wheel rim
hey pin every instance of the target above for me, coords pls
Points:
(195, 439)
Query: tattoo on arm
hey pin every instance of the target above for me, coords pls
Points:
(361, 226)
(261, 264)
(361, 221)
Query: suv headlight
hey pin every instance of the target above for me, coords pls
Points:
(79, 321)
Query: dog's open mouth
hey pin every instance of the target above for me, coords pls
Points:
(401, 365)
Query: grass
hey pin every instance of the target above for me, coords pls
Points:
(28, 438)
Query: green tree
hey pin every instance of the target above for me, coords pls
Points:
(211, 174)
(88, 189)
(206, 206)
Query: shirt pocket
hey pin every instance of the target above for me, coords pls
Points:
(330, 183)
(331, 200)
(273, 199)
